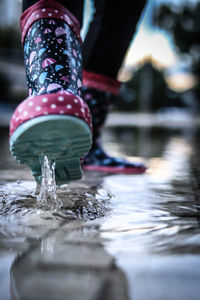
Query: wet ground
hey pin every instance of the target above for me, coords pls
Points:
(116, 236)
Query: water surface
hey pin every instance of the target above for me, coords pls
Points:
(148, 224)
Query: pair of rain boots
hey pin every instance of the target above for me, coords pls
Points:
(55, 119)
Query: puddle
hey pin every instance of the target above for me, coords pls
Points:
(154, 229)
(149, 224)
(158, 212)
(19, 206)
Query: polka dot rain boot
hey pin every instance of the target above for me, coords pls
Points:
(54, 120)
(99, 92)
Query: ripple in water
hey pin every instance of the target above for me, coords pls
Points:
(33, 206)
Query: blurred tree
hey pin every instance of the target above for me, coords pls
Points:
(147, 91)
(183, 23)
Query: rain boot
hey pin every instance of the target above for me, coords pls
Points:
(100, 92)
(54, 120)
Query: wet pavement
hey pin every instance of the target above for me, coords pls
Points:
(133, 237)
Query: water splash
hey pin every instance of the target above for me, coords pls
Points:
(48, 196)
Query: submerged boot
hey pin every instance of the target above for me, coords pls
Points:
(54, 120)
(99, 92)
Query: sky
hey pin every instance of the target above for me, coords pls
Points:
(160, 49)
(160, 43)
(152, 42)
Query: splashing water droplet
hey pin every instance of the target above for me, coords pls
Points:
(48, 196)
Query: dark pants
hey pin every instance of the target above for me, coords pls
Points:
(110, 32)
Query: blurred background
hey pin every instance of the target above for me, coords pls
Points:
(160, 73)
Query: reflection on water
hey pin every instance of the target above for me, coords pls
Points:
(144, 221)
(154, 229)
(157, 212)
(71, 264)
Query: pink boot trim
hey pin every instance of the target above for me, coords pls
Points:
(115, 170)
(101, 82)
(61, 103)
(48, 9)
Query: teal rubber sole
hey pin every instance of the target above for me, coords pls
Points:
(63, 139)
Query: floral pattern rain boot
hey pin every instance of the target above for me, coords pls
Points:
(54, 120)
(99, 92)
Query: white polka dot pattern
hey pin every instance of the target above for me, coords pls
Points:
(64, 15)
(61, 103)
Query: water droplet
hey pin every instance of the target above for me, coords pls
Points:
(48, 196)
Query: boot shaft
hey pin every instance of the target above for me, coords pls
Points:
(52, 49)
(52, 57)
(99, 92)
(100, 103)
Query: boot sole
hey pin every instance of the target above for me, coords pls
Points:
(64, 139)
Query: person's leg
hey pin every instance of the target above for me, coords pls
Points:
(109, 35)
(53, 120)
(104, 48)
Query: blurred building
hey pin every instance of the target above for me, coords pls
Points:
(10, 12)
